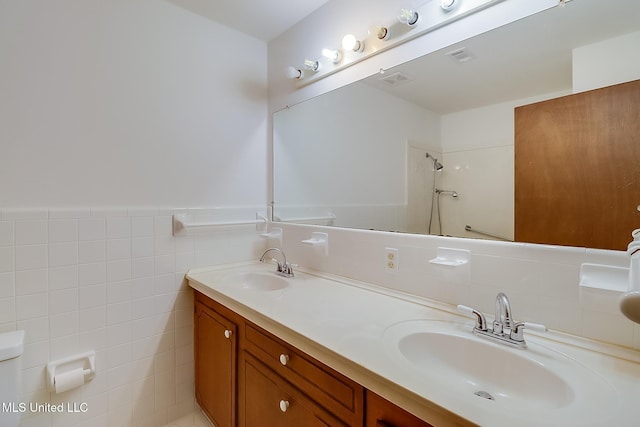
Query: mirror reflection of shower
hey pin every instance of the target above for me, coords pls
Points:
(437, 166)
(453, 194)
(439, 192)
(436, 193)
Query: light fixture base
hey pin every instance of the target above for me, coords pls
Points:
(448, 5)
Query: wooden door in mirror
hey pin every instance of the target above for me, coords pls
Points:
(581, 144)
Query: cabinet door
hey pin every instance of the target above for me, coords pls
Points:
(382, 413)
(269, 401)
(215, 365)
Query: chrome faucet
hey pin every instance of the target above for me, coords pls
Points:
(502, 320)
(505, 330)
(283, 268)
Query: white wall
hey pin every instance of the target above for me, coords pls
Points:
(128, 104)
(606, 63)
(337, 152)
(112, 114)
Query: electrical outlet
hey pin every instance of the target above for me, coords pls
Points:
(391, 259)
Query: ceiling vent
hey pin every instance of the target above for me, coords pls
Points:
(396, 79)
(460, 55)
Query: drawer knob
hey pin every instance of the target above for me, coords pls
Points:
(228, 333)
(284, 359)
(284, 405)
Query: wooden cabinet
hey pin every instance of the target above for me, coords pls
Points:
(247, 377)
(382, 413)
(270, 401)
(216, 349)
(333, 391)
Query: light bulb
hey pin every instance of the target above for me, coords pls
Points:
(294, 73)
(311, 65)
(408, 17)
(333, 55)
(350, 42)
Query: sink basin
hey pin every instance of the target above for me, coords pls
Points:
(523, 382)
(486, 368)
(256, 281)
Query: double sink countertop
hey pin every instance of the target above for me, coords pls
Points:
(361, 331)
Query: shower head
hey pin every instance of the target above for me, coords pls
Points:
(436, 164)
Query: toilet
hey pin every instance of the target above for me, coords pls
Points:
(11, 348)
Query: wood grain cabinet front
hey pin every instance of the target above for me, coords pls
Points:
(216, 350)
(382, 413)
(267, 400)
(330, 389)
(245, 376)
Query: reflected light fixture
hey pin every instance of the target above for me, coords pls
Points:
(381, 32)
(408, 17)
(294, 73)
(350, 42)
(447, 5)
(333, 55)
(311, 65)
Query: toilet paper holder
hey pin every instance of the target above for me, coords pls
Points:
(85, 361)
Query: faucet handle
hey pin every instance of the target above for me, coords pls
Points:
(481, 322)
(286, 269)
(535, 327)
(517, 332)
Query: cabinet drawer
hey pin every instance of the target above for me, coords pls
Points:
(269, 401)
(332, 390)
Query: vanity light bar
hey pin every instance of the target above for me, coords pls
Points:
(409, 25)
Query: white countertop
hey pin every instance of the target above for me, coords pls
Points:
(345, 324)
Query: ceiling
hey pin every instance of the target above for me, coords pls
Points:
(262, 19)
(526, 58)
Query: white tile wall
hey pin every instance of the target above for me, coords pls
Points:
(541, 281)
(109, 280)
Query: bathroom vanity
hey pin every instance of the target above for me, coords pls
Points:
(240, 366)
(317, 349)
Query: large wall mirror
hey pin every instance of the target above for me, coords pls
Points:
(428, 146)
